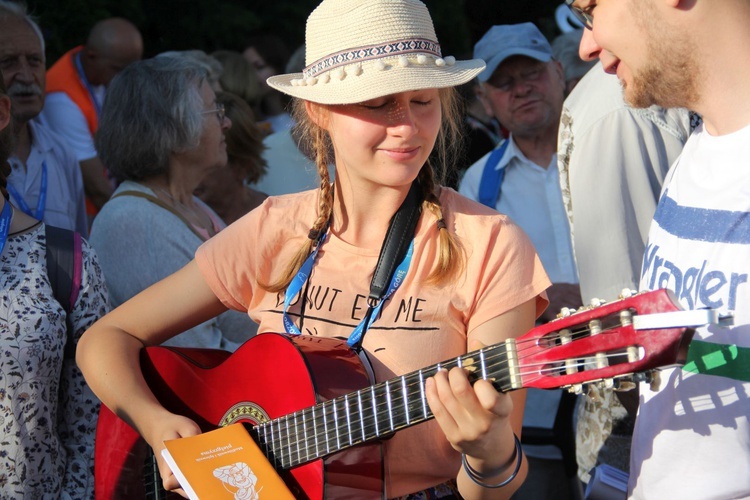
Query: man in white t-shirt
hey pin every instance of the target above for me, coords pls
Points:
(692, 435)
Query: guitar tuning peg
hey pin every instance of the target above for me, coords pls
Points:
(624, 384)
(596, 302)
(652, 377)
(575, 389)
(627, 292)
(565, 312)
(606, 383)
(655, 380)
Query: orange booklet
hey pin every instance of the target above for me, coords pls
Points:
(224, 463)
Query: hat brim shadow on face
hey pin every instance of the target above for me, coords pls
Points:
(359, 83)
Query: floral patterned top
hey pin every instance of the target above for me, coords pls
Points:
(47, 412)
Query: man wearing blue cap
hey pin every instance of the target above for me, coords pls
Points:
(523, 87)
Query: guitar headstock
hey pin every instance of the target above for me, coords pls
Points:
(603, 343)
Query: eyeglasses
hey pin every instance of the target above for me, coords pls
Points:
(220, 111)
(583, 15)
(506, 83)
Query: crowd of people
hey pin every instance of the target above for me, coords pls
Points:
(212, 197)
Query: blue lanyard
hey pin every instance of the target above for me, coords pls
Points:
(296, 285)
(373, 309)
(40, 204)
(82, 76)
(398, 277)
(5, 217)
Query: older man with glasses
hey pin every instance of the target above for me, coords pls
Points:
(46, 179)
(692, 432)
(523, 87)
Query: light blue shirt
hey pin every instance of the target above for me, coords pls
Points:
(532, 197)
(65, 206)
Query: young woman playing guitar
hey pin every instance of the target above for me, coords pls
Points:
(376, 99)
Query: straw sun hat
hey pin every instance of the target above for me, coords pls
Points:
(358, 50)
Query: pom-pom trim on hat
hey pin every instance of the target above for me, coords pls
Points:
(373, 52)
(341, 72)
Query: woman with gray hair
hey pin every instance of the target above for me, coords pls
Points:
(160, 134)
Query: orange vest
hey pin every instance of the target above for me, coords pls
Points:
(63, 77)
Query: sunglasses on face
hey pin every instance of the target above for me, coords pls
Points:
(582, 14)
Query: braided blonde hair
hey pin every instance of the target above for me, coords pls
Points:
(450, 261)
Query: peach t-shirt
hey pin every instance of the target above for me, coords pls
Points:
(419, 325)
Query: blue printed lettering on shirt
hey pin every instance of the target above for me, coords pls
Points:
(695, 286)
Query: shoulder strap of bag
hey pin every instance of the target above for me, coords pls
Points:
(492, 177)
(64, 264)
(153, 199)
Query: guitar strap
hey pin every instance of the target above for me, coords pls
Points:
(64, 267)
(393, 263)
(396, 244)
(397, 239)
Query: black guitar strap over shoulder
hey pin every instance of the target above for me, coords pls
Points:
(396, 244)
(397, 240)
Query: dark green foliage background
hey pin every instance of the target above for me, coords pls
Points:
(226, 24)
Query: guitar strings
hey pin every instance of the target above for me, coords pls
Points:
(284, 445)
(329, 411)
(326, 415)
(309, 452)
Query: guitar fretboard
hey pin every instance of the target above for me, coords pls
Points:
(371, 413)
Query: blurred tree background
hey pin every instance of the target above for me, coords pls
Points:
(226, 24)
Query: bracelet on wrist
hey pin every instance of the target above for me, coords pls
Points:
(479, 477)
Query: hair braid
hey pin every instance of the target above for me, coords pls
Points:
(318, 143)
(325, 197)
(450, 255)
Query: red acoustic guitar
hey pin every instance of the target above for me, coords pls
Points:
(319, 420)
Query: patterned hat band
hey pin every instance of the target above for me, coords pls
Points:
(357, 50)
(406, 52)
